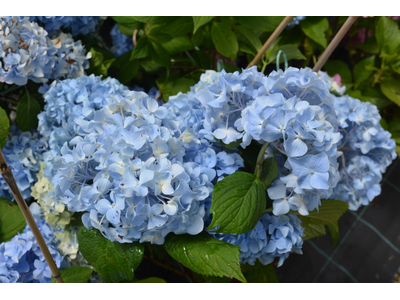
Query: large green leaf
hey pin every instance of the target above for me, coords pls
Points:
(181, 26)
(260, 273)
(361, 71)
(178, 44)
(258, 23)
(269, 171)
(205, 255)
(160, 55)
(250, 36)
(200, 21)
(224, 39)
(4, 127)
(141, 49)
(157, 33)
(391, 88)
(113, 261)
(387, 36)
(314, 28)
(329, 213)
(333, 67)
(127, 25)
(100, 62)
(76, 274)
(27, 110)
(291, 52)
(238, 201)
(127, 67)
(12, 220)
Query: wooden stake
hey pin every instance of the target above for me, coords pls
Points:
(333, 44)
(9, 178)
(271, 39)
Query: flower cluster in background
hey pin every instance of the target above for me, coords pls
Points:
(27, 53)
(273, 236)
(77, 25)
(21, 259)
(121, 42)
(367, 151)
(295, 21)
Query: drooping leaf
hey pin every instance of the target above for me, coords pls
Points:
(200, 21)
(205, 255)
(329, 213)
(269, 171)
(75, 274)
(224, 39)
(260, 273)
(238, 201)
(27, 110)
(113, 261)
(4, 127)
(361, 71)
(387, 36)
(250, 36)
(334, 235)
(178, 44)
(314, 28)
(390, 88)
(12, 221)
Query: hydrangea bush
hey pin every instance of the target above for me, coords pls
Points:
(225, 171)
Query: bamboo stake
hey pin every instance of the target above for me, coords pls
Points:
(270, 40)
(5, 171)
(333, 44)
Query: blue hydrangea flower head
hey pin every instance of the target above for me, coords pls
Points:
(121, 42)
(26, 52)
(273, 236)
(78, 25)
(367, 150)
(21, 259)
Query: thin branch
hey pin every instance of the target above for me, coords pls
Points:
(5, 171)
(134, 37)
(271, 39)
(333, 44)
(164, 266)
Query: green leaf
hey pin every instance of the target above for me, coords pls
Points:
(160, 55)
(361, 73)
(264, 24)
(127, 25)
(151, 280)
(390, 88)
(27, 110)
(205, 255)
(100, 62)
(200, 21)
(260, 273)
(12, 221)
(154, 20)
(141, 49)
(314, 28)
(157, 33)
(329, 213)
(333, 67)
(224, 40)
(250, 36)
(269, 171)
(76, 274)
(179, 44)
(291, 52)
(4, 127)
(172, 87)
(181, 26)
(232, 145)
(238, 201)
(396, 65)
(113, 261)
(127, 67)
(210, 279)
(387, 36)
(334, 235)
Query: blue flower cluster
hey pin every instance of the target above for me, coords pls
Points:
(27, 53)
(121, 42)
(136, 178)
(291, 110)
(21, 259)
(77, 25)
(367, 151)
(273, 236)
(23, 152)
(295, 21)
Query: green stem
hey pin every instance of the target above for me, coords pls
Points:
(260, 159)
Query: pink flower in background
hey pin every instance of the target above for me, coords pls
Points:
(337, 79)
